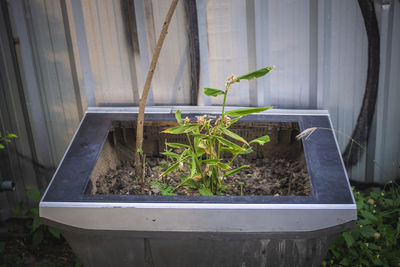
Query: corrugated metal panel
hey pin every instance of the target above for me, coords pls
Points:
(344, 68)
(108, 53)
(120, 37)
(74, 54)
(17, 159)
(45, 53)
(386, 147)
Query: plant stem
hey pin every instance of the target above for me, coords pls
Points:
(143, 99)
(195, 158)
(222, 120)
(223, 108)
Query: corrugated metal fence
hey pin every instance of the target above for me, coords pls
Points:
(60, 56)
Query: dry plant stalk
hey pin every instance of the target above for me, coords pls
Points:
(143, 99)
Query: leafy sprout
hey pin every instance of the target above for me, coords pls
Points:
(6, 139)
(207, 138)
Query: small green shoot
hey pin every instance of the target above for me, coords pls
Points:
(36, 226)
(163, 165)
(241, 188)
(165, 189)
(6, 139)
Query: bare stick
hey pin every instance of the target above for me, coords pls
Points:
(143, 99)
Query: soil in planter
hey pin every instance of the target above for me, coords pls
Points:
(277, 168)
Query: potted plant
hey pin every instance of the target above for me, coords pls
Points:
(206, 230)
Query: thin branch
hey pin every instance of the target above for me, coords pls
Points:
(143, 99)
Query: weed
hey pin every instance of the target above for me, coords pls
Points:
(207, 138)
(165, 189)
(241, 188)
(6, 139)
(36, 226)
(375, 240)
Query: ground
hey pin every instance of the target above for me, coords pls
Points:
(17, 250)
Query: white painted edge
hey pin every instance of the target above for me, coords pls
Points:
(197, 206)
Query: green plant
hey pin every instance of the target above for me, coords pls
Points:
(165, 189)
(375, 240)
(6, 139)
(36, 226)
(241, 184)
(207, 138)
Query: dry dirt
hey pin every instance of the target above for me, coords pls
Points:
(264, 177)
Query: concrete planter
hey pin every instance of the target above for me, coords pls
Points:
(134, 230)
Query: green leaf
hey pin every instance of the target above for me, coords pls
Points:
(345, 262)
(188, 181)
(178, 116)
(360, 204)
(364, 222)
(233, 121)
(168, 191)
(34, 211)
(171, 168)
(159, 185)
(204, 191)
(171, 154)
(199, 135)
(182, 128)
(213, 92)
(2, 146)
(247, 151)
(367, 215)
(373, 246)
(184, 156)
(177, 145)
(37, 237)
(388, 234)
(200, 151)
(255, 74)
(230, 144)
(234, 171)
(37, 222)
(211, 161)
(377, 262)
(55, 232)
(232, 134)
(194, 168)
(260, 140)
(245, 111)
(223, 166)
(348, 238)
(233, 151)
(335, 253)
(367, 231)
(398, 228)
(33, 194)
(11, 135)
